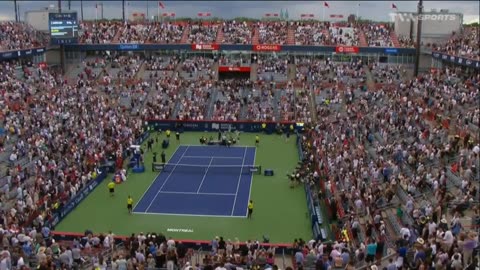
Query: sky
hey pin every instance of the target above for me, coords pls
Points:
(373, 10)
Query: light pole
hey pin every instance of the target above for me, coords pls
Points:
(419, 37)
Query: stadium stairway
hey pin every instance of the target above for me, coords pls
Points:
(185, 34)
(362, 39)
(256, 36)
(394, 39)
(214, 69)
(117, 35)
(291, 72)
(219, 39)
(254, 72)
(290, 36)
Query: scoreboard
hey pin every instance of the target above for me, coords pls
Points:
(63, 28)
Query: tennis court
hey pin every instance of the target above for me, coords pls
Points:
(202, 181)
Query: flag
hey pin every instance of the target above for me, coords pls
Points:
(394, 6)
(161, 5)
(325, 4)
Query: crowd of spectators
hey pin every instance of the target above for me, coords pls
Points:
(236, 32)
(380, 150)
(156, 63)
(57, 135)
(98, 32)
(271, 67)
(311, 33)
(15, 36)
(195, 100)
(377, 35)
(230, 99)
(272, 32)
(134, 33)
(342, 35)
(463, 44)
(202, 34)
(260, 103)
(167, 33)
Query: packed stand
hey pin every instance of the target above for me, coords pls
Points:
(202, 34)
(195, 100)
(19, 36)
(230, 99)
(342, 36)
(197, 67)
(98, 32)
(161, 104)
(236, 32)
(134, 33)
(377, 35)
(166, 33)
(261, 103)
(161, 63)
(272, 32)
(380, 153)
(272, 68)
(314, 34)
(294, 105)
(49, 166)
(464, 44)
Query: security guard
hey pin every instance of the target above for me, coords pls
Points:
(111, 188)
(129, 204)
(250, 209)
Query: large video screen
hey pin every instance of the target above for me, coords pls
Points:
(63, 28)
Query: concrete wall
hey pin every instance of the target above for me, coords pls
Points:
(53, 57)
(38, 19)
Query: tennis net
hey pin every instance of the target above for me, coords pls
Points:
(222, 169)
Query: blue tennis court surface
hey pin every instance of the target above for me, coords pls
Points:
(202, 181)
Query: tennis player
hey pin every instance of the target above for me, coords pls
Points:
(129, 204)
(111, 188)
(250, 209)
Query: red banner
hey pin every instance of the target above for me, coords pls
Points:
(205, 47)
(307, 15)
(204, 14)
(340, 16)
(166, 14)
(233, 69)
(346, 49)
(268, 48)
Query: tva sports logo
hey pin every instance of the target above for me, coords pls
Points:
(424, 17)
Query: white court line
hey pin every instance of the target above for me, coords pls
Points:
(170, 174)
(251, 181)
(154, 180)
(205, 175)
(216, 145)
(238, 181)
(195, 193)
(186, 215)
(212, 157)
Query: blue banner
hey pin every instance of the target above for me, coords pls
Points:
(456, 60)
(270, 127)
(227, 47)
(391, 51)
(21, 53)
